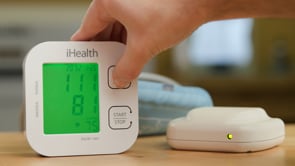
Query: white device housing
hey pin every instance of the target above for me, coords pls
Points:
(225, 129)
(112, 138)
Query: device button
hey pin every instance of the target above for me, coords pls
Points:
(110, 79)
(120, 117)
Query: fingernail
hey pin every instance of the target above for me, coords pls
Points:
(74, 36)
(121, 83)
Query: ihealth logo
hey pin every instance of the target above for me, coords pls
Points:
(87, 53)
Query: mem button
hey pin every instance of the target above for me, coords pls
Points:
(110, 79)
(120, 117)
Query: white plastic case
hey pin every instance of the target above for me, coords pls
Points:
(226, 129)
(118, 108)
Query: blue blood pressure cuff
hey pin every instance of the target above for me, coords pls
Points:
(160, 102)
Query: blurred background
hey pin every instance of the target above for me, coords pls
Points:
(242, 62)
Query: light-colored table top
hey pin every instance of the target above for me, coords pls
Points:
(151, 150)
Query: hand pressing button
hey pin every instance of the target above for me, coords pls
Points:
(110, 79)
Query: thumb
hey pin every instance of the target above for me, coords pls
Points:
(130, 64)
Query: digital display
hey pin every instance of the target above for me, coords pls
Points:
(71, 98)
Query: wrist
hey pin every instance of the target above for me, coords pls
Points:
(229, 9)
(225, 9)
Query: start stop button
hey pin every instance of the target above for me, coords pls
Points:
(120, 117)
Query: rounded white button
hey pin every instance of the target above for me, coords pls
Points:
(120, 117)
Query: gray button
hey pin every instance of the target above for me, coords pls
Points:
(120, 117)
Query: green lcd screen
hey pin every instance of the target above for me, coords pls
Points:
(70, 98)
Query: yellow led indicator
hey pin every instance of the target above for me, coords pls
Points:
(229, 136)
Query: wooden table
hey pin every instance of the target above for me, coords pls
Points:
(152, 150)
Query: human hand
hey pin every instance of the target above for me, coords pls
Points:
(147, 27)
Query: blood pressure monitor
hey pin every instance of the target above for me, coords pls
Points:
(72, 105)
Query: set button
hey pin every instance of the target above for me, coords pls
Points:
(110, 79)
